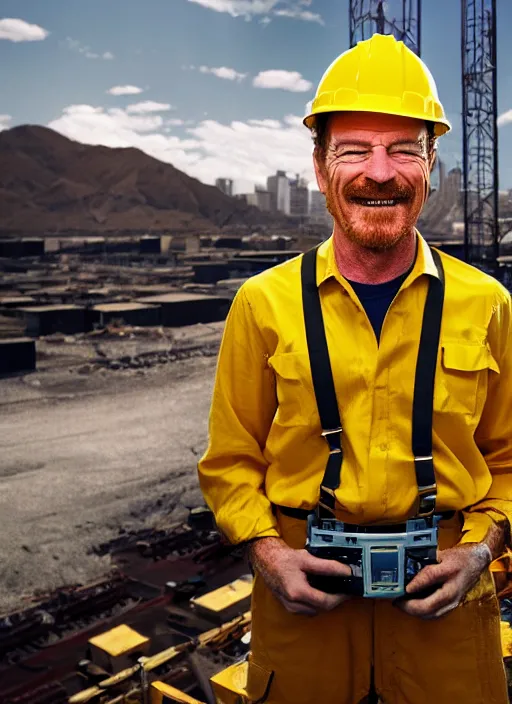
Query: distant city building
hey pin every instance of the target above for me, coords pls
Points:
(444, 207)
(225, 185)
(299, 198)
(279, 188)
(318, 213)
(251, 199)
(505, 204)
(263, 199)
(260, 198)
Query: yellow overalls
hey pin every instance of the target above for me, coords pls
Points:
(265, 449)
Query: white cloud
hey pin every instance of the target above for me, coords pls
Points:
(273, 124)
(285, 80)
(298, 14)
(223, 72)
(4, 122)
(505, 118)
(239, 8)
(77, 46)
(148, 106)
(176, 122)
(113, 128)
(293, 9)
(293, 121)
(124, 90)
(245, 151)
(16, 30)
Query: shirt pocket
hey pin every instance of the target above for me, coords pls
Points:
(295, 396)
(464, 377)
(259, 681)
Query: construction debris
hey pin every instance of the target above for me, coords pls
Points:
(172, 594)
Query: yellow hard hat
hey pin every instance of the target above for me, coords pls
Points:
(380, 74)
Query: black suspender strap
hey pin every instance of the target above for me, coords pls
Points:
(323, 381)
(423, 402)
(325, 391)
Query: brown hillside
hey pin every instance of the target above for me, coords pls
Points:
(49, 183)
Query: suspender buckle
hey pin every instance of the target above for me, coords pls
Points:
(427, 501)
(333, 439)
(426, 492)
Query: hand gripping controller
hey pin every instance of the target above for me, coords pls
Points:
(383, 559)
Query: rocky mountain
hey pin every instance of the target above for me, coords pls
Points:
(51, 184)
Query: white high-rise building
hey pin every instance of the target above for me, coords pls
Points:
(279, 188)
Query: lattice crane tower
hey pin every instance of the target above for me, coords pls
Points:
(402, 18)
(480, 133)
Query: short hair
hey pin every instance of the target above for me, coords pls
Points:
(320, 133)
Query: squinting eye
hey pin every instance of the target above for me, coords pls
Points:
(343, 155)
(406, 152)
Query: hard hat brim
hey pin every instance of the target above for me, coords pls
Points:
(441, 126)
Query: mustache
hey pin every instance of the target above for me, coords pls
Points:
(392, 190)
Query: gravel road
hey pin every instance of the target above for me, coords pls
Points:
(82, 457)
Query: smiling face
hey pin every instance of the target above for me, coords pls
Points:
(375, 173)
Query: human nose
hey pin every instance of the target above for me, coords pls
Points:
(380, 167)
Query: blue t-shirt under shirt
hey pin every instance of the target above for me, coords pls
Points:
(376, 299)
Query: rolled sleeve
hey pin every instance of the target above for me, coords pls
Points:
(494, 433)
(232, 471)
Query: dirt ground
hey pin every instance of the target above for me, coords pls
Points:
(88, 451)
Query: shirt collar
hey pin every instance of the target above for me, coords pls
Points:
(327, 267)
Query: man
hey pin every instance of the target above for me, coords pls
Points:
(376, 118)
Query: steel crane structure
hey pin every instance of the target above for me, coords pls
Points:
(402, 18)
(480, 133)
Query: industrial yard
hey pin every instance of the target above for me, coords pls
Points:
(108, 554)
(107, 368)
(85, 458)
(107, 358)
(104, 406)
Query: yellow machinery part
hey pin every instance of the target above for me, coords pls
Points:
(162, 693)
(120, 640)
(224, 597)
(229, 684)
(506, 639)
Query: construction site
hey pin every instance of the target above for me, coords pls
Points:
(115, 586)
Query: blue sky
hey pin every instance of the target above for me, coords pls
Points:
(216, 87)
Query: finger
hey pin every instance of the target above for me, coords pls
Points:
(321, 601)
(429, 615)
(329, 568)
(297, 607)
(428, 607)
(334, 600)
(447, 609)
(303, 593)
(428, 577)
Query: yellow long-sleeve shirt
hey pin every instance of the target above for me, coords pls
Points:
(265, 446)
